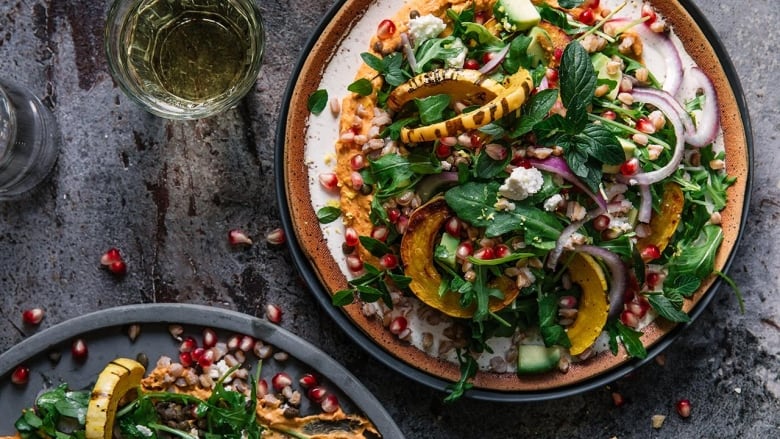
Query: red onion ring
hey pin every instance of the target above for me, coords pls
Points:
(708, 124)
(646, 206)
(671, 111)
(669, 52)
(497, 59)
(409, 51)
(618, 273)
(560, 243)
(557, 165)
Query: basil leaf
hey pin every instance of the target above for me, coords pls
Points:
(666, 309)
(317, 101)
(328, 214)
(374, 246)
(343, 298)
(362, 86)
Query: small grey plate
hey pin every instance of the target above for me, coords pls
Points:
(105, 333)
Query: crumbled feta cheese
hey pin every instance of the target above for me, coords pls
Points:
(620, 223)
(504, 204)
(144, 430)
(458, 61)
(521, 183)
(425, 27)
(551, 204)
(576, 239)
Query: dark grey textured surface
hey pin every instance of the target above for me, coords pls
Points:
(167, 193)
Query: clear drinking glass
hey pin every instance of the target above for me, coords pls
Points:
(29, 141)
(185, 59)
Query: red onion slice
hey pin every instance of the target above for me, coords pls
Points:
(646, 206)
(659, 101)
(566, 233)
(497, 59)
(664, 44)
(708, 124)
(618, 272)
(557, 165)
(409, 51)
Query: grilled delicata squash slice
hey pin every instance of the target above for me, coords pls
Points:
(510, 97)
(593, 310)
(417, 247)
(119, 377)
(466, 85)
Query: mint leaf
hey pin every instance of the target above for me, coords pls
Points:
(602, 145)
(374, 62)
(517, 57)
(343, 298)
(666, 309)
(481, 34)
(629, 337)
(393, 131)
(317, 101)
(374, 246)
(473, 202)
(389, 67)
(328, 214)
(577, 85)
(362, 86)
(535, 111)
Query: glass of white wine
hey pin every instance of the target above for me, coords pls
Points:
(185, 59)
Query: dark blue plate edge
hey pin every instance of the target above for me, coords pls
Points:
(307, 271)
(207, 316)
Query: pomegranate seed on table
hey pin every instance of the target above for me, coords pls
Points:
(238, 237)
(386, 29)
(110, 256)
(32, 316)
(330, 404)
(20, 375)
(118, 268)
(273, 313)
(329, 181)
(683, 408)
(275, 237)
(79, 350)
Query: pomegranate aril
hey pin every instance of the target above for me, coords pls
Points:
(307, 381)
(558, 54)
(568, 302)
(233, 342)
(502, 251)
(443, 150)
(601, 223)
(79, 350)
(397, 325)
(402, 224)
(356, 178)
(637, 308)
(209, 338)
(238, 237)
(111, 255)
(351, 237)
(644, 125)
(262, 388)
(465, 249)
(280, 381)
(652, 279)
(330, 404)
(380, 233)
(649, 14)
(20, 375)
(329, 181)
(683, 408)
(207, 359)
(357, 162)
(385, 29)
(650, 252)
(471, 64)
(188, 345)
(587, 17)
(32, 316)
(393, 214)
(453, 226)
(485, 253)
(389, 261)
(185, 358)
(275, 237)
(317, 394)
(629, 167)
(273, 313)
(247, 343)
(552, 75)
(354, 263)
(197, 354)
(629, 319)
(609, 114)
(118, 268)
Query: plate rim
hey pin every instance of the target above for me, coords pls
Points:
(307, 271)
(214, 317)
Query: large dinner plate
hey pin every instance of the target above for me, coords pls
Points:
(105, 333)
(330, 61)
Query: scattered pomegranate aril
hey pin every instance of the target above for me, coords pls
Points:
(385, 30)
(453, 226)
(683, 408)
(351, 237)
(502, 251)
(393, 214)
(79, 350)
(380, 233)
(280, 381)
(567, 302)
(354, 263)
(262, 388)
(471, 64)
(652, 279)
(275, 237)
(307, 381)
(317, 394)
(609, 114)
(558, 54)
(209, 338)
(402, 224)
(21, 375)
(617, 399)
(197, 354)
(357, 162)
(389, 261)
(32, 316)
(398, 325)
(238, 237)
(329, 181)
(356, 178)
(601, 223)
(485, 253)
(464, 250)
(649, 14)
(587, 17)
(637, 308)
(185, 358)
(644, 125)
(443, 150)
(207, 359)
(330, 404)
(110, 256)
(118, 268)
(188, 345)
(233, 342)
(552, 75)
(487, 56)
(480, 17)
(273, 313)
(650, 252)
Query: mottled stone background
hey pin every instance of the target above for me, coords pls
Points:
(166, 193)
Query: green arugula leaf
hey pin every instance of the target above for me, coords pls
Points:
(666, 308)
(486, 167)
(629, 337)
(696, 259)
(432, 108)
(328, 214)
(552, 332)
(393, 130)
(391, 173)
(436, 49)
(481, 34)
(473, 202)
(362, 86)
(684, 285)
(317, 101)
(468, 369)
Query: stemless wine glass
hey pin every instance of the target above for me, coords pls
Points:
(29, 141)
(185, 59)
